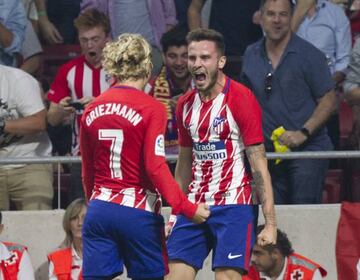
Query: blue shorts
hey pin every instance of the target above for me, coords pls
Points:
(229, 232)
(115, 235)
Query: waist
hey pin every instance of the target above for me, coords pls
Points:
(131, 197)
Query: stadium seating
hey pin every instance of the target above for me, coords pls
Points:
(334, 186)
(64, 185)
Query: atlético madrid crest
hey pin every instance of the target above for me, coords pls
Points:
(218, 124)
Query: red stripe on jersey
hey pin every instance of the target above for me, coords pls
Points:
(248, 246)
(218, 130)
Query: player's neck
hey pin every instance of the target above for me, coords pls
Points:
(138, 84)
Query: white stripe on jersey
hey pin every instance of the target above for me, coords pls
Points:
(71, 82)
(105, 194)
(221, 178)
(129, 197)
(147, 200)
(87, 82)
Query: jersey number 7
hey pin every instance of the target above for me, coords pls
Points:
(116, 136)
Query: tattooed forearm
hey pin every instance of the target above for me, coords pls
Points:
(255, 151)
(262, 180)
(259, 184)
(270, 219)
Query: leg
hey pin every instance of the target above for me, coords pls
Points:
(231, 256)
(4, 195)
(307, 180)
(101, 256)
(181, 271)
(227, 274)
(188, 246)
(32, 187)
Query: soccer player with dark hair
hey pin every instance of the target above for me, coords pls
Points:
(221, 152)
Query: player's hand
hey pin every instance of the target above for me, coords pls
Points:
(201, 214)
(267, 236)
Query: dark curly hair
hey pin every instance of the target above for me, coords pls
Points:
(283, 243)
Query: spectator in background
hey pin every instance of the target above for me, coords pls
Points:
(149, 18)
(352, 92)
(12, 30)
(48, 30)
(15, 260)
(326, 26)
(233, 19)
(80, 80)
(279, 261)
(67, 260)
(62, 14)
(173, 81)
(31, 51)
(56, 20)
(292, 82)
(22, 135)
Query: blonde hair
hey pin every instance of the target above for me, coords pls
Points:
(128, 57)
(71, 212)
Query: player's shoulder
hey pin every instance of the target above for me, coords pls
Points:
(239, 91)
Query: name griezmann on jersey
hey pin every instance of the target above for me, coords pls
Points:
(114, 109)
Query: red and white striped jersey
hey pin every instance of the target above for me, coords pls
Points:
(218, 132)
(123, 154)
(78, 79)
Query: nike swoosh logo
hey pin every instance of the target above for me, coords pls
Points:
(230, 256)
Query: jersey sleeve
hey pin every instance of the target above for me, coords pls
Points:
(87, 153)
(247, 114)
(156, 167)
(59, 88)
(184, 138)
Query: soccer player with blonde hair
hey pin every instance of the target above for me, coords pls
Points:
(125, 171)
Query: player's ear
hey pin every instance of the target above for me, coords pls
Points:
(222, 62)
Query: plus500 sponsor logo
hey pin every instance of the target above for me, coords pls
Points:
(210, 150)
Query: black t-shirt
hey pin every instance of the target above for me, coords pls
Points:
(233, 18)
